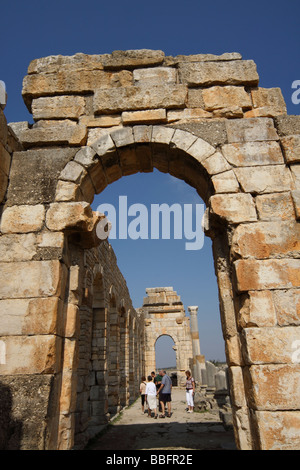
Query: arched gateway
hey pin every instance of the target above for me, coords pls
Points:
(74, 349)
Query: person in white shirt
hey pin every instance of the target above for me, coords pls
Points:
(150, 396)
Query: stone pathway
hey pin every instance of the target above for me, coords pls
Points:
(133, 430)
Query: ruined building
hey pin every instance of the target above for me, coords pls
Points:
(71, 344)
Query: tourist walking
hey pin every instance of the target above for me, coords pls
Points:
(143, 392)
(190, 391)
(151, 397)
(164, 393)
(157, 380)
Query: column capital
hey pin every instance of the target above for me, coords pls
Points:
(193, 309)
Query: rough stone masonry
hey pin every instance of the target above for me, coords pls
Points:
(72, 345)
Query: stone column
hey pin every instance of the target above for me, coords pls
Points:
(198, 359)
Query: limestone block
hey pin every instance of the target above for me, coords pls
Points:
(73, 322)
(296, 200)
(182, 139)
(208, 57)
(23, 219)
(104, 145)
(251, 130)
(253, 153)
(3, 128)
(147, 116)
(240, 72)
(58, 107)
(264, 179)
(217, 97)
(132, 59)
(254, 274)
(186, 115)
(258, 311)
(100, 121)
(31, 355)
(66, 82)
(291, 148)
(268, 391)
(201, 150)
(287, 125)
(31, 279)
(269, 97)
(41, 316)
(235, 208)
(162, 135)
(287, 306)
(275, 206)
(67, 191)
(45, 165)
(155, 76)
(278, 430)
(122, 137)
(142, 134)
(270, 345)
(72, 172)
(54, 133)
(267, 240)
(225, 182)
(68, 215)
(229, 112)
(137, 98)
(215, 164)
(18, 247)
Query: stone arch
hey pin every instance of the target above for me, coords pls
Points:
(249, 181)
(233, 190)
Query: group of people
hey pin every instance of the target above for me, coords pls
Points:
(160, 386)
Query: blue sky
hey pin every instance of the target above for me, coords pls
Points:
(265, 31)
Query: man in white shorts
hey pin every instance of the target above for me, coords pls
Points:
(150, 396)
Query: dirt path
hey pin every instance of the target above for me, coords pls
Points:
(183, 431)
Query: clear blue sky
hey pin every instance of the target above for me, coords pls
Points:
(266, 31)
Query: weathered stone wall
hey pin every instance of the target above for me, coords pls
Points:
(203, 119)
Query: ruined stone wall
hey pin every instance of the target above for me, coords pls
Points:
(205, 120)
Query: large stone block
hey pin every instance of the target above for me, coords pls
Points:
(42, 316)
(239, 72)
(23, 219)
(264, 179)
(253, 153)
(68, 215)
(38, 354)
(270, 345)
(155, 76)
(58, 107)
(287, 306)
(225, 182)
(251, 130)
(45, 166)
(278, 430)
(291, 148)
(54, 132)
(235, 208)
(258, 310)
(23, 418)
(67, 82)
(31, 279)
(137, 98)
(132, 59)
(225, 97)
(267, 274)
(267, 240)
(273, 386)
(275, 206)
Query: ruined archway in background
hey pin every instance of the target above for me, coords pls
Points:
(247, 180)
